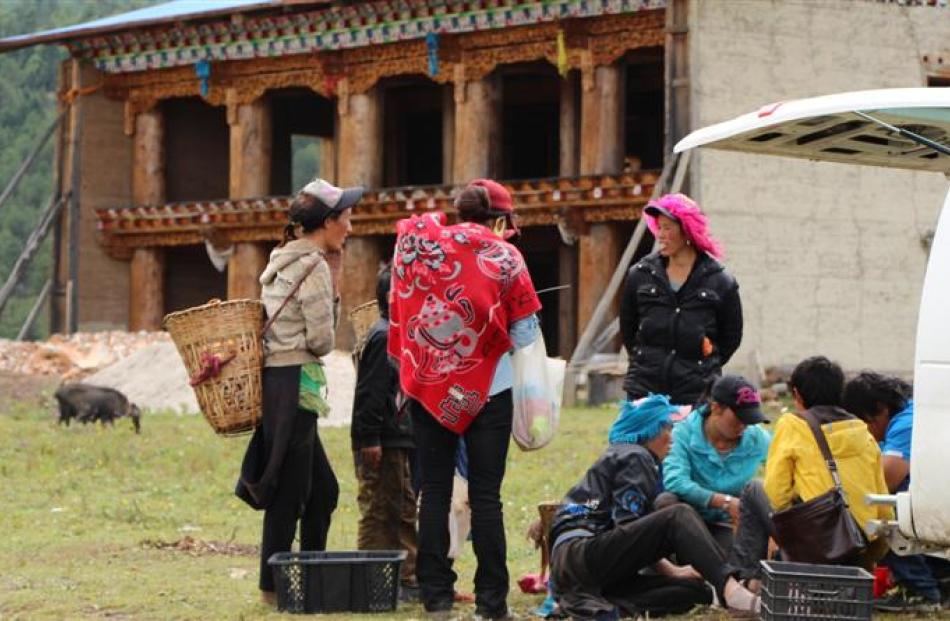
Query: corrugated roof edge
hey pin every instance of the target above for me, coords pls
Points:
(174, 11)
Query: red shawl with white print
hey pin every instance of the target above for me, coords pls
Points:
(455, 291)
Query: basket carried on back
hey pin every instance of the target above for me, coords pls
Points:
(363, 317)
(220, 344)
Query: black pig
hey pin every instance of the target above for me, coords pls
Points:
(89, 404)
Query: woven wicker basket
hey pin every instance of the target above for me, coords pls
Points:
(363, 317)
(231, 400)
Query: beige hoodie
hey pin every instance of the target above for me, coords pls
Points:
(304, 329)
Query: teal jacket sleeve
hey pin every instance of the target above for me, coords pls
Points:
(678, 471)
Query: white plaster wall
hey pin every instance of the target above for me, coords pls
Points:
(828, 256)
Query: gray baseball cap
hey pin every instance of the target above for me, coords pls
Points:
(332, 197)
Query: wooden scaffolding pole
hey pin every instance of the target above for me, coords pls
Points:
(37, 307)
(73, 204)
(29, 251)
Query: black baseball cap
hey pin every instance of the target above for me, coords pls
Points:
(737, 393)
(652, 209)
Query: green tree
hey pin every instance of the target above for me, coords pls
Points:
(28, 86)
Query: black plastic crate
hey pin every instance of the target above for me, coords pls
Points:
(309, 582)
(806, 591)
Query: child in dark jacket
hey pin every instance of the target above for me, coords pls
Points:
(382, 441)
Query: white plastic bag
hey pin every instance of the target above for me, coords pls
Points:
(537, 391)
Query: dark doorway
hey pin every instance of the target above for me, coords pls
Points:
(643, 112)
(540, 247)
(412, 129)
(530, 121)
(197, 150)
(302, 139)
(191, 279)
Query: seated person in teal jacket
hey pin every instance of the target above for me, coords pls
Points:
(716, 450)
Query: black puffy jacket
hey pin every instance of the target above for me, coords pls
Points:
(663, 330)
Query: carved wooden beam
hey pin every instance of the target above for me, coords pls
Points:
(542, 202)
(343, 27)
(462, 57)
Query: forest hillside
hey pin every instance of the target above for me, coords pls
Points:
(27, 107)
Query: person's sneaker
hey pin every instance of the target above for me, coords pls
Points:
(902, 600)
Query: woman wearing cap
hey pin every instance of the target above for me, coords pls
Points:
(716, 451)
(680, 313)
(461, 299)
(285, 470)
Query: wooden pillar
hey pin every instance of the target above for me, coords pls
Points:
(477, 130)
(448, 132)
(567, 300)
(327, 166)
(598, 254)
(569, 127)
(147, 289)
(147, 270)
(251, 143)
(244, 268)
(250, 177)
(676, 66)
(360, 149)
(360, 264)
(602, 135)
(148, 158)
(359, 162)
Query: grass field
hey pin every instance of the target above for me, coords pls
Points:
(89, 515)
(86, 510)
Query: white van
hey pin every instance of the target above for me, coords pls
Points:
(895, 127)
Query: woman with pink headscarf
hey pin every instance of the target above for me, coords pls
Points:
(680, 313)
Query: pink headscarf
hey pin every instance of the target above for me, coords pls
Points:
(694, 224)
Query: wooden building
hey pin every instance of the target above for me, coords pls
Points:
(177, 147)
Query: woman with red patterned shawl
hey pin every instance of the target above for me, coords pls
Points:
(462, 298)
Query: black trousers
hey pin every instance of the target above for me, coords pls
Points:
(306, 491)
(487, 444)
(721, 532)
(751, 544)
(596, 576)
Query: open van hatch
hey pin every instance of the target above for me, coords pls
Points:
(827, 129)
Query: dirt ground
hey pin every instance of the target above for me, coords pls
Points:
(30, 392)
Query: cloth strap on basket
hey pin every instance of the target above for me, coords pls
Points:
(212, 363)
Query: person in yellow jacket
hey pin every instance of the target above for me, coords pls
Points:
(795, 470)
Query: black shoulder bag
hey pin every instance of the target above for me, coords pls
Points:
(821, 530)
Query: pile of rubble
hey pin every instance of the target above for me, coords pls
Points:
(73, 357)
(145, 366)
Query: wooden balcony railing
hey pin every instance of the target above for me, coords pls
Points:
(539, 202)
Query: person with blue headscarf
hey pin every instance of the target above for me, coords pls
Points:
(607, 532)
